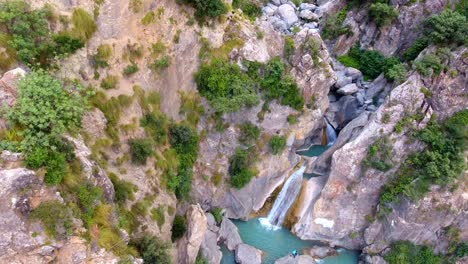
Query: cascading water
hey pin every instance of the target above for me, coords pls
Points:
(331, 134)
(285, 199)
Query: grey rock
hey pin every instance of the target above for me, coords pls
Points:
(284, 2)
(307, 6)
(280, 25)
(276, 2)
(355, 74)
(308, 15)
(374, 260)
(371, 108)
(246, 254)
(292, 4)
(348, 89)
(196, 230)
(229, 234)
(302, 259)
(272, 6)
(360, 98)
(210, 249)
(348, 110)
(268, 11)
(312, 25)
(342, 80)
(331, 98)
(321, 252)
(11, 156)
(287, 14)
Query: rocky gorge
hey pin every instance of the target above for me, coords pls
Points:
(141, 71)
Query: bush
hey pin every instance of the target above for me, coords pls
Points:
(292, 119)
(140, 150)
(157, 214)
(248, 7)
(277, 144)
(110, 82)
(149, 18)
(152, 250)
(249, 133)
(379, 155)
(333, 26)
(45, 110)
(412, 52)
(88, 197)
(446, 27)
(370, 62)
(103, 54)
(349, 61)
(55, 217)
(406, 252)
(179, 227)
(155, 125)
(66, 44)
(289, 47)
(208, 8)
(161, 63)
(429, 65)
(225, 86)
(382, 14)
(84, 25)
(217, 214)
(397, 73)
(240, 168)
(56, 168)
(130, 69)
(123, 190)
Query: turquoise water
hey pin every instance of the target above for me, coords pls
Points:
(314, 151)
(278, 243)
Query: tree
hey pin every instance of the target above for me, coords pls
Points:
(277, 144)
(448, 26)
(382, 14)
(152, 250)
(179, 227)
(141, 149)
(240, 167)
(397, 73)
(45, 110)
(208, 8)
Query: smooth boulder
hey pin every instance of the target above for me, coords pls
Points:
(348, 89)
(287, 14)
(246, 254)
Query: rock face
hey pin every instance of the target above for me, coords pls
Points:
(348, 89)
(287, 14)
(196, 230)
(321, 252)
(9, 90)
(302, 259)
(246, 254)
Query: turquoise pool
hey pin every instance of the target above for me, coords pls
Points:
(314, 151)
(278, 243)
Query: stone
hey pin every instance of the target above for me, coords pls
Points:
(94, 123)
(196, 230)
(246, 254)
(229, 234)
(348, 110)
(11, 156)
(283, 1)
(307, 6)
(321, 252)
(348, 89)
(302, 259)
(276, 2)
(8, 86)
(312, 25)
(308, 15)
(360, 98)
(280, 25)
(268, 11)
(342, 80)
(210, 249)
(355, 74)
(287, 14)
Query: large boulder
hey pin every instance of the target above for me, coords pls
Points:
(287, 14)
(229, 234)
(210, 249)
(197, 226)
(348, 89)
(246, 254)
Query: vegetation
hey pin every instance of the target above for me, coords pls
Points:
(152, 250)
(379, 155)
(217, 214)
(292, 119)
(248, 7)
(161, 63)
(412, 52)
(277, 144)
(289, 47)
(382, 14)
(157, 214)
(429, 65)
(440, 163)
(149, 18)
(447, 27)
(141, 149)
(102, 56)
(405, 252)
(84, 25)
(333, 26)
(123, 190)
(110, 82)
(130, 69)
(55, 217)
(156, 125)
(397, 73)
(225, 86)
(208, 8)
(240, 167)
(179, 227)
(249, 133)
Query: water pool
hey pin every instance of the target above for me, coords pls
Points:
(279, 243)
(314, 151)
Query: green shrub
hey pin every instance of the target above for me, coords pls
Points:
(183, 139)
(8, 55)
(130, 69)
(65, 44)
(84, 25)
(201, 260)
(56, 168)
(158, 48)
(225, 86)
(152, 250)
(412, 52)
(161, 63)
(37, 158)
(55, 217)
(157, 214)
(240, 167)
(379, 155)
(149, 18)
(372, 63)
(446, 27)
(248, 7)
(45, 110)
(397, 73)
(217, 214)
(349, 61)
(403, 252)
(333, 26)
(88, 197)
(155, 124)
(208, 8)
(249, 133)
(123, 190)
(140, 149)
(179, 227)
(136, 5)
(429, 65)
(110, 82)
(277, 144)
(289, 47)
(382, 14)
(102, 56)
(292, 119)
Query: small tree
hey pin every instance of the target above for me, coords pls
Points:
(152, 250)
(141, 149)
(382, 14)
(277, 144)
(249, 133)
(448, 26)
(179, 227)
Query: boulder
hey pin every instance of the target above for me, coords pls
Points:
(94, 123)
(9, 86)
(355, 74)
(348, 110)
(308, 15)
(312, 25)
(196, 230)
(246, 254)
(307, 6)
(302, 259)
(342, 80)
(229, 233)
(321, 252)
(268, 11)
(287, 14)
(348, 89)
(210, 249)
(276, 2)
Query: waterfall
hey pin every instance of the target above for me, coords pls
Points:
(285, 199)
(330, 135)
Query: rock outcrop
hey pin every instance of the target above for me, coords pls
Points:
(197, 226)
(229, 234)
(246, 254)
(302, 259)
